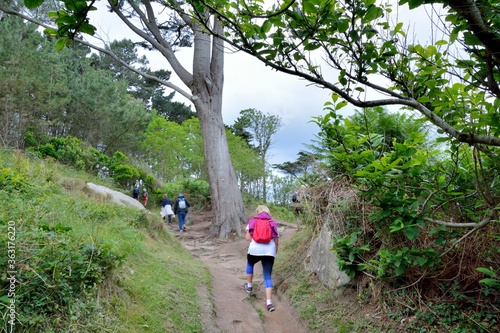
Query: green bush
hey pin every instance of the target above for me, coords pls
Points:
(122, 172)
(57, 269)
(47, 149)
(349, 253)
(197, 191)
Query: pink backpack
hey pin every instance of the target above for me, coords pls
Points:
(262, 231)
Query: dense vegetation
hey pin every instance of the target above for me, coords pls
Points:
(393, 233)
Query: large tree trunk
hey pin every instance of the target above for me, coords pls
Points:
(207, 86)
(227, 203)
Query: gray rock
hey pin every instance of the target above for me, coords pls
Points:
(322, 260)
(114, 196)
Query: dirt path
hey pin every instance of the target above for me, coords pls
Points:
(235, 311)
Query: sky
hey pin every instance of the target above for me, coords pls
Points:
(248, 83)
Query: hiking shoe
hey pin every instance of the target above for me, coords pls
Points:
(248, 289)
(270, 307)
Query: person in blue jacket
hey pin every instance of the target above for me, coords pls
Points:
(181, 207)
(166, 208)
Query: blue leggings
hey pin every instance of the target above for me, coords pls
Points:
(267, 267)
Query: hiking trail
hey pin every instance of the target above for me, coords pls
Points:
(232, 310)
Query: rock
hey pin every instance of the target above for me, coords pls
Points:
(297, 207)
(114, 196)
(322, 260)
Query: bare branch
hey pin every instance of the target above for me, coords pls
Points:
(489, 218)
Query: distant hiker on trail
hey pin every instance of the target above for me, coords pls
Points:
(181, 209)
(166, 208)
(262, 232)
(135, 193)
(145, 197)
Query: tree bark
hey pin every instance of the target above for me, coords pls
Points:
(207, 88)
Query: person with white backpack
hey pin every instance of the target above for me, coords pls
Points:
(181, 207)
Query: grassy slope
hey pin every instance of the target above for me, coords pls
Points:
(85, 265)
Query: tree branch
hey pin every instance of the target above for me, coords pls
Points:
(158, 42)
(489, 218)
(468, 9)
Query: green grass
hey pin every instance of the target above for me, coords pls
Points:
(86, 265)
(160, 286)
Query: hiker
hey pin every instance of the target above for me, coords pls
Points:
(262, 252)
(181, 206)
(145, 197)
(135, 193)
(166, 208)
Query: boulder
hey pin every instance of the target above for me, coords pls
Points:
(297, 207)
(322, 260)
(114, 196)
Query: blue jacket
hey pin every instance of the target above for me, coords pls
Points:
(166, 201)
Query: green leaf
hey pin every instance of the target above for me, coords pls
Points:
(424, 99)
(342, 25)
(431, 50)
(87, 28)
(61, 42)
(372, 13)
(491, 283)
(411, 232)
(340, 105)
(32, 4)
(439, 241)
(400, 270)
(311, 46)
(471, 39)
(354, 35)
(486, 271)
(415, 3)
(266, 26)
(52, 15)
(50, 32)
(65, 20)
(421, 261)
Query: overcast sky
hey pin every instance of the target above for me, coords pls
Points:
(250, 84)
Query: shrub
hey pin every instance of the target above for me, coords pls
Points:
(57, 269)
